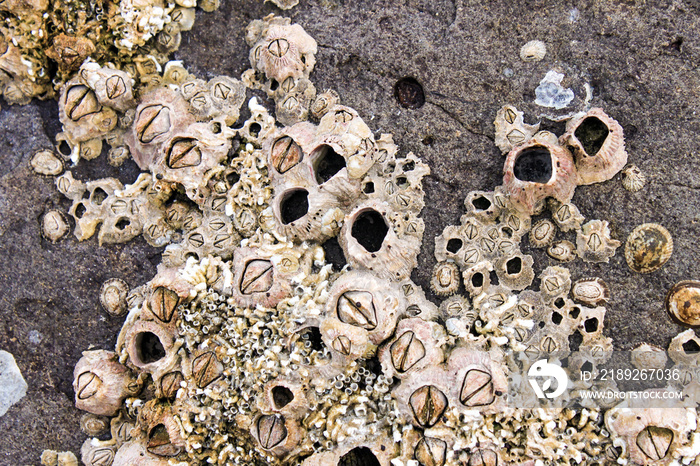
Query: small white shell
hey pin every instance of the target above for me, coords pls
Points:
(535, 50)
(54, 225)
(633, 179)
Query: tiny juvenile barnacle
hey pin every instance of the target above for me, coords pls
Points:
(633, 179)
(54, 225)
(563, 251)
(535, 50)
(648, 248)
(113, 296)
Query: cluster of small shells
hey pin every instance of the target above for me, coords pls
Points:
(250, 347)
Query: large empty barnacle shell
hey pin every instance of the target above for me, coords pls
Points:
(633, 179)
(598, 146)
(563, 251)
(590, 291)
(538, 170)
(593, 242)
(515, 271)
(648, 248)
(683, 302)
(511, 130)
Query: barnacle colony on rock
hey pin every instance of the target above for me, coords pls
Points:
(247, 347)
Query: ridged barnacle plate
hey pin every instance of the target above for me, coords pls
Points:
(590, 291)
(648, 248)
(683, 302)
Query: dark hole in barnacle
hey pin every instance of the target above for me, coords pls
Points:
(122, 223)
(507, 231)
(413, 310)
(591, 133)
(149, 348)
(481, 203)
(575, 340)
(428, 140)
(478, 280)
(454, 245)
(556, 318)
(216, 127)
(591, 325)
(533, 164)
(254, 129)
(232, 178)
(587, 366)
(294, 205)
(559, 302)
(159, 442)
(281, 396)
(374, 366)
(409, 166)
(334, 253)
(359, 456)
(408, 92)
(541, 324)
(274, 85)
(79, 210)
(514, 266)
(370, 229)
(98, 196)
(193, 255)
(368, 188)
(402, 182)
(64, 148)
(691, 346)
(313, 336)
(327, 163)
(574, 312)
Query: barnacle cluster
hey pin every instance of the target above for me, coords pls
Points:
(282, 326)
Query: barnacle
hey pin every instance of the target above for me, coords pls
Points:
(445, 279)
(101, 383)
(113, 296)
(538, 170)
(535, 50)
(633, 179)
(593, 242)
(648, 248)
(683, 302)
(598, 146)
(542, 233)
(647, 356)
(45, 162)
(563, 251)
(590, 291)
(54, 225)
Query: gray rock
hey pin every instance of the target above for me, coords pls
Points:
(12, 384)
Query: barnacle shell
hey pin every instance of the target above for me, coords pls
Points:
(112, 88)
(54, 225)
(535, 50)
(445, 279)
(590, 291)
(555, 281)
(598, 146)
(542, 233)
(93, 425)
(593, 242)
(647, 356)
(370, 242)
(378, 450)
(648, 248)
(684, 348)
(566, 215)
(97, 453)
(423, 397)
(113, 296)
(563, 251)
(538, 170)
(477, 278)
(479, 381)
(101, 383)
(259, 276)
(414, 346)
(81, 113)
(55, 458)
(683, 303)
(633, 179)
(45, 162)
(515, 271)
(135, 453)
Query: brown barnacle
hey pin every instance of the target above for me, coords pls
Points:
(428, 403)
(357, 308)
(563, 251)
(542, 233)
(590, 291)
(324, 102)
(594, 243)
(285, 154)
(183, 152)
(82, 115)
(93, 425)
(54, 225)
(151, 122)
(170, 383)
(163, 304)
(648, 248)
(511, 129)
(633, 179)
(414, 346)
(69, 52)
(431, 452)
(445, 279)
(45, 162)
(101, 383)
(683, 303)
(538, 170)
(598, 146)
(515, 271)
(483, 457)
(206, 368)
(163, 429)
(113, 296)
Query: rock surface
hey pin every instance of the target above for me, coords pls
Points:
(641, 60)
(12, 385)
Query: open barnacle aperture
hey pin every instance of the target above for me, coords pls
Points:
(539, 170)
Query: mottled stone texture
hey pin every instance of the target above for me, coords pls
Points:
(641, 58)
